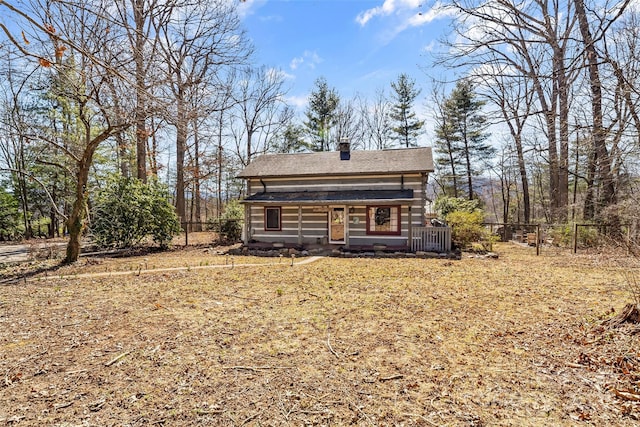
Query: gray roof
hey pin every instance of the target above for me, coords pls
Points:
(311, 197)
(410, 160)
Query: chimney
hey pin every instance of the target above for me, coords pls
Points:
(345, 149)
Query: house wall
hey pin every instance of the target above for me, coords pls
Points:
(308, 224)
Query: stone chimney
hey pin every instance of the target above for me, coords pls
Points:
(345, 149)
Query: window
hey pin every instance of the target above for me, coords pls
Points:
(272, 219)
(383, 220)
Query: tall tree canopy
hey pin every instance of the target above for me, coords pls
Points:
(406, 124)
(462, 137)
(321, 115)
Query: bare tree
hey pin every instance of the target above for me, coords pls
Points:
(511, 94)
(378, 132)
(536, 40)
(224, 103)
(601, 157)
(139, 20)
(14, 124)
(348, 125)
(198, 43)
(260, 110)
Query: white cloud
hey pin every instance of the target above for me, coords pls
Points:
(248, 7)
(387, 8)
(429, 47)
(275, 73)
(299, 102)
(309, 59)
(403, 15)
(295, 63)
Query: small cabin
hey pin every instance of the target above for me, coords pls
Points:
(353, 200)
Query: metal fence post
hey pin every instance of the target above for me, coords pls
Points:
(186, 234)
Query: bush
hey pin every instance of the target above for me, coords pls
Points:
(466, 228)
(563, 235)
(9, 215)
(445, 205)
(229, 225)
(465, 219)
(127, 210)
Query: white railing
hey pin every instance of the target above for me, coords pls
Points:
(431, 239)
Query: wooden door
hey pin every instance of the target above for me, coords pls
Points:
(336, 225)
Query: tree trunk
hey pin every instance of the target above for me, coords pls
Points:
(524, 180)
(52, 214)
(140, 110)
(181, 144)
(152, 153)
(249, 147)
(220, 164)
(123, 155)
(24, 198)
(467, 155)
(74, 227)
(601, 154)
(75, 222)
(563, 164)
(561, 192)
(196, 178)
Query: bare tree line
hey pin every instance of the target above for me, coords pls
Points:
(169, 90)
(562, 78)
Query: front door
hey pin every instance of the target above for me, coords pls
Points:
(336, 225)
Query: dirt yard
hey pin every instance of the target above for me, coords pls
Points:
(514, 341)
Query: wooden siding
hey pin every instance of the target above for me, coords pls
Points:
(314, 225)
(308, 225)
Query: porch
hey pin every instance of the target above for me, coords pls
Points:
(423, 239)
(431, 239)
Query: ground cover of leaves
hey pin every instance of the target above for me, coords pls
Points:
(514, 341)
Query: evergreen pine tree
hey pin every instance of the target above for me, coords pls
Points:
(407, 127)
(321, 115)
(462, 135)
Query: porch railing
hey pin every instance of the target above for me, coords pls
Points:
(431, 239)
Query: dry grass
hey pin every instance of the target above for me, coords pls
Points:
(512, 342)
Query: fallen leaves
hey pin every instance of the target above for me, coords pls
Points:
(418, 342)
(627, 395)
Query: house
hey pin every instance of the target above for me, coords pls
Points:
(360, 200)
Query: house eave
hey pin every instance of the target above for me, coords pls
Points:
(330, 202)
(360, 197)
(336, 174)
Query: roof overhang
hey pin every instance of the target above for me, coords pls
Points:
(331, 197)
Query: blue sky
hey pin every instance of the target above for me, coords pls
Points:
(359, 46)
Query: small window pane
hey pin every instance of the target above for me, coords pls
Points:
(383, 219)
(272, 219)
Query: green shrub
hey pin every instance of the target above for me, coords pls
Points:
(466, 227)
(445, 205)
(562, 235)
(126, 211)
(465, 219)
(164, 224)
(229, 225)
(9, 214)
(588, 236)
